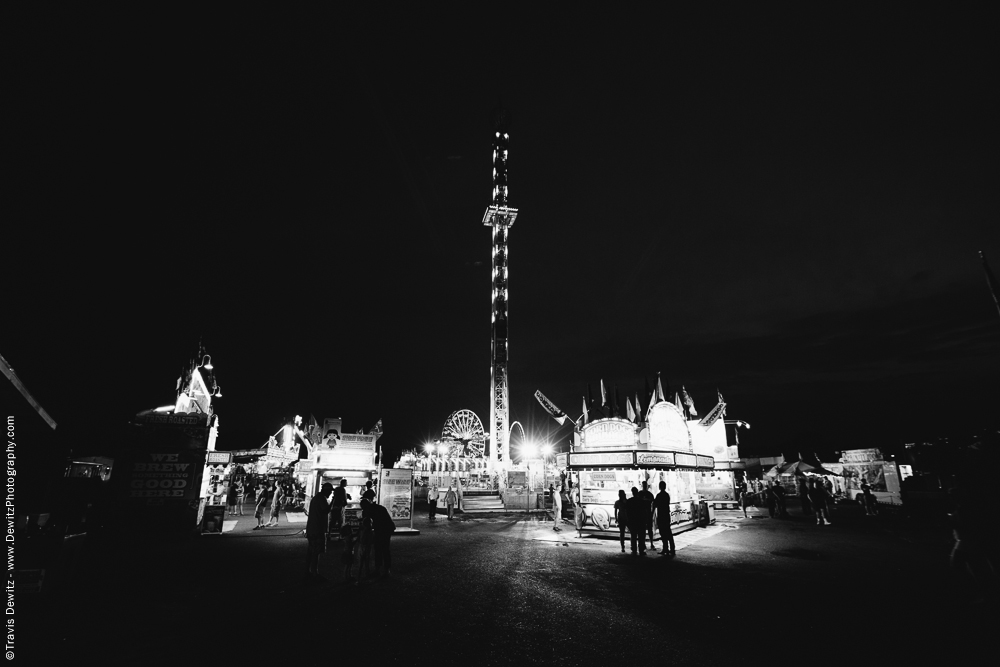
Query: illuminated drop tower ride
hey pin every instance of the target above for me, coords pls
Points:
(501, 218)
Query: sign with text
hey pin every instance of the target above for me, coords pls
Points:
(174, 475)
(357, 443)
(601, 459)
(654, 458)
(861, 455)
(219, 457)
(687, 460)
(249, 452)
(668, 430)
(609, 434)
(395, 490)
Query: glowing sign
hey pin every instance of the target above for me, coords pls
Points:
(651, 459)
(689, 460)
(609, 434)
(668, 429)
(604, 459)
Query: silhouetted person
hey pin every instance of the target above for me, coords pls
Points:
(817, 495)
(316, 525)
(771, 499)
(662, 505)
(804, 497)
(779, 499)
(637, 509)
(648, 495)
(384, 527)
(621, 517)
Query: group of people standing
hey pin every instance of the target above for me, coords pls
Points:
(815, 495)
(639, 513)
(450, 499)
(371, 542)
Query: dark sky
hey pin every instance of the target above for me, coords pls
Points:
(786, 207)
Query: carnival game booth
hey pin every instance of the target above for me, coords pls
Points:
(616, 454)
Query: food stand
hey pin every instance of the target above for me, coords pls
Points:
(615, 454)
(351, 457)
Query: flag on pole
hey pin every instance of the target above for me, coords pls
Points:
(629, 410)
(677, 402)
(721, 400)
(604, 395)
(659, 389)
(638, 408)
(689, 402)
(616, 409)
(652, 401)
(585, 415)
(551, 408)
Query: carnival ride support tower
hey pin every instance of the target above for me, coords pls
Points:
(500, 218)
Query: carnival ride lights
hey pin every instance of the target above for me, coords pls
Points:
(500, 218)
(465, 433)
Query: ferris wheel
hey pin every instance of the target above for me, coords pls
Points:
(466, 431)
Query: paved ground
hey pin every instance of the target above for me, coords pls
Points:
(508, 590)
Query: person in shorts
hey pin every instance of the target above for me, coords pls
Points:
(259, 509)
(276, 505)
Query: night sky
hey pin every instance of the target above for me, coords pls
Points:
(786, 208)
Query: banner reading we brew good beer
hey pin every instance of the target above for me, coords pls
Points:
(395, 490)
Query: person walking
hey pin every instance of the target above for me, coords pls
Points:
(279, 496)
(648, 495)
(556, 506)
(771, 498)
(662, 505)
(240, 496)
(637, 508)
(621, 517)
(340, 498)
(869, 499)
(450, 498)
(316, 525)
(817, 494)
(432, 500)
(744, 501)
